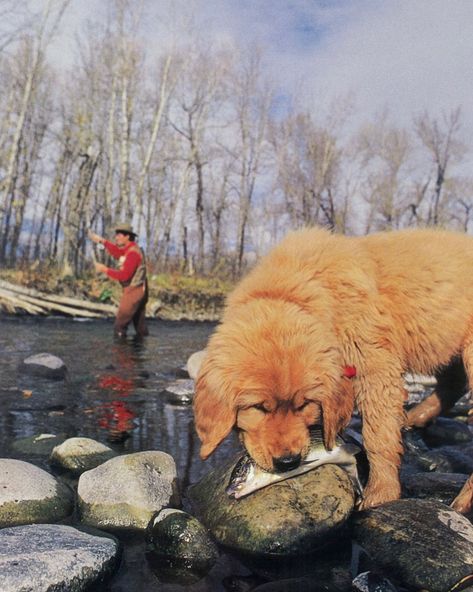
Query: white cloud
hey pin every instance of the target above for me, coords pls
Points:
(407, 55)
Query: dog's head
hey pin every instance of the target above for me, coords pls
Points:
(271, 372)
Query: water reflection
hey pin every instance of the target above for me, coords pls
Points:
(113, 392)
(115, 416)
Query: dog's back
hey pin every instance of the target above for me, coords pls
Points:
(419, 282)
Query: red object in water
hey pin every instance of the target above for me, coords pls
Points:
(115, 383)
(117, 417)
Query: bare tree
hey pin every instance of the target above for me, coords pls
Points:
(16, 18)
(308, 171)
(441, 140)
(35, 49)
(51, 219)
(165, 89)
(252, 98)
(199, 99)
(219, 182)
(385, 153)
(460, 202)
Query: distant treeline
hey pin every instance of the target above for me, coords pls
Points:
(194, 148)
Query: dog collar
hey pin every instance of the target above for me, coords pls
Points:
(349, 371)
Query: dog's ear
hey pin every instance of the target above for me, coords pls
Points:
(214, 413)
(337, 409)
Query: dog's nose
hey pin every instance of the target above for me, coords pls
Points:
(287, 463)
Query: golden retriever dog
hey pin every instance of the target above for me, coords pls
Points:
(325, 322)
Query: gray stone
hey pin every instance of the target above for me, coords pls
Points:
(125, 492)
(420, 544)
(420, 379)
(176, 535)
(42, 558)
(40, 445)
(194, 363)
(28, 494)
(298, 515)
(443, 487)
(444, 459)
(446, 431)
(80, 454)
(180, 391)
(45, 365)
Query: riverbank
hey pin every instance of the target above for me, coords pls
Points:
(171, 296)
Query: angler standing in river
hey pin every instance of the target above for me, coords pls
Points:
(131, 275)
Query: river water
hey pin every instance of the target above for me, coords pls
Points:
(114, 388)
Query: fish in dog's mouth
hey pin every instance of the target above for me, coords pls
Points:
(247, 476)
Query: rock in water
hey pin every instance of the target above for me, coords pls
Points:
(446, 431)
(28, 494)
(54, 557)
(38, 445)
(177, 536)
(421, 544)
(442, 487)
(194, 363)
(126, 491)
(300, 515)
(180, 392)
(80, 454)
(45, 365)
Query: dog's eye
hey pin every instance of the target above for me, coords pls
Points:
(260, 407)
(303, 406)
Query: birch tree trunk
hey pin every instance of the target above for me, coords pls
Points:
(52, 14)
(164, 93)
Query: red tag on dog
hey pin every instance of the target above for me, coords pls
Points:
(349, 371)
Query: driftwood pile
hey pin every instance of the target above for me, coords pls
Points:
(14, 299)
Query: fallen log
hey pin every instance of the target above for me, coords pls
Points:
(11, 304)
(35, 302)
(97, 306)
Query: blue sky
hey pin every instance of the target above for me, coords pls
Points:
(400, 55)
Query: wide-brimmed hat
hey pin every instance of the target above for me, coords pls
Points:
(125, 228)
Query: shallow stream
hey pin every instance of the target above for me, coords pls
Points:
(114, 389)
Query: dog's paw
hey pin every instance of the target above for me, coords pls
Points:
(376, 496)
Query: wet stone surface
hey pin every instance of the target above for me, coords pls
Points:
(29, 494)
(422, 544)
(180, 391)
(54, 557)
(299, 515)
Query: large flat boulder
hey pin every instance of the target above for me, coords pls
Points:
(53, 557)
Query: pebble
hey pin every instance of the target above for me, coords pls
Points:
(45, 365)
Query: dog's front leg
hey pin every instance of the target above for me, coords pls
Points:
(380, 398)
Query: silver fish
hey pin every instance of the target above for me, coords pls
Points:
(248, 477)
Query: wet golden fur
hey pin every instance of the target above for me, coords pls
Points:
(386, 303)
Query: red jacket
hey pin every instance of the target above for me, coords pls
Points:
(132, 260)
